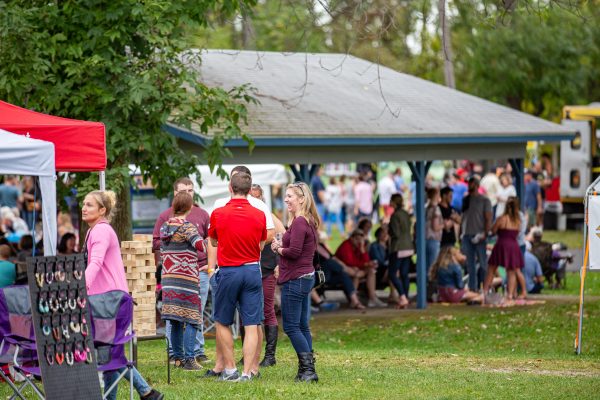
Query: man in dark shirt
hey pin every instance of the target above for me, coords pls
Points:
(318, 189)
(200, 219)
(450, 217)
(239, 231)
(533, 199)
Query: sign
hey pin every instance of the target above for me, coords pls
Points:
(594, 232)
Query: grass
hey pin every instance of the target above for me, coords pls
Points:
(573, 239)
(444, 352)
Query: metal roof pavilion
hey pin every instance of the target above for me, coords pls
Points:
(323, 108)
(313, 103)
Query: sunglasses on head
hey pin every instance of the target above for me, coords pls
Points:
(299, 186)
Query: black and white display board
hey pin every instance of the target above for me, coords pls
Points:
(62, 326)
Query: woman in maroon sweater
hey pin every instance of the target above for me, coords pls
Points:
(297, 274)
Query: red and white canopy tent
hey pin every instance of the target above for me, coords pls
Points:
(79, 146)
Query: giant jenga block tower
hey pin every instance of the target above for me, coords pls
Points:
(140, 271)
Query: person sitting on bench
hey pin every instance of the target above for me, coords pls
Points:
(352, 252)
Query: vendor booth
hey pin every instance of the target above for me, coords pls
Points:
(79, 145)
(20, 155)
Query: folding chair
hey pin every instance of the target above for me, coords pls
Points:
(112, 316)
(18, 338)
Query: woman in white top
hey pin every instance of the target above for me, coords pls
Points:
(335, 202)
(506, 191)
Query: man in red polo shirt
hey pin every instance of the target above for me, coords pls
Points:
(239, 231)
(353, 254)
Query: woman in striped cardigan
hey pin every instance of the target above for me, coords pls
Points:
(180, 242)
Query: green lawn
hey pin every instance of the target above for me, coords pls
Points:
(573, 239)
(444, 352)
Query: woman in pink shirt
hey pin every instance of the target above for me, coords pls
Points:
(105, 270)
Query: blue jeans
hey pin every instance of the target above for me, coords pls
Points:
(140, 385)
(335, 274)
(432, 249)
(471, 251)
(183, 340)
(335, 218)
(322, 211)
(295, 306)
(213, 289)
(401, 284)
(199, 347)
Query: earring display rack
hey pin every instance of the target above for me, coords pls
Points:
(62, 326)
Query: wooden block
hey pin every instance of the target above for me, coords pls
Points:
(143, 238)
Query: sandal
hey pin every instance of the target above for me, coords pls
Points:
(357, 306)
(401, 306)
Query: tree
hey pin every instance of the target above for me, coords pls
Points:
(123, 63)
(534, 62)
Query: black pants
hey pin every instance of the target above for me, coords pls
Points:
(335, 275)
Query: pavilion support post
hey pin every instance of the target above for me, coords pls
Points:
(518, 166)
(304, 172)
(419, 170)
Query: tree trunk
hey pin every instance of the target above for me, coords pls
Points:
(248, 34)
(121, 222)
(446, 45)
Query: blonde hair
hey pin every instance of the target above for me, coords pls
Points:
(444, 259)
(308, 209)
(106, 199)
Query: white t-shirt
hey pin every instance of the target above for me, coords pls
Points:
(254, 202)
(333, 194)
(386, 188)
(503, 194)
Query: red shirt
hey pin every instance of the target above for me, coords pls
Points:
(351, 255)
(239, 228)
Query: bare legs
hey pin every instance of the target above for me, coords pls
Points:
(357, 274)
(251, 348)
(225, 345)
(489, 278)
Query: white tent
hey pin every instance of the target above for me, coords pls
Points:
(20, 155)
(213, 187)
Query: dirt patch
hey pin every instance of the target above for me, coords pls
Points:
(545, 372)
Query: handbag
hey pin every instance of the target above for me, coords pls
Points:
(319, 274)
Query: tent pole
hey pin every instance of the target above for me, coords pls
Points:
(589, 192)
(102, 180)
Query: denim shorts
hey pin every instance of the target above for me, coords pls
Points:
(241, 288)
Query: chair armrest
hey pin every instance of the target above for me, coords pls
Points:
(21, 342)
(123, 340)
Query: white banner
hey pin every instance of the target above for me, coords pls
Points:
(594, 231)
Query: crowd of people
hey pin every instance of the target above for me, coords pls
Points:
(242, 252)
(476, 214)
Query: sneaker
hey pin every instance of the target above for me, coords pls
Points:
(376, 303)
(329, 306)
(246, 378)
(234, 377)
(255, 375)
(153, 395)
(202, 359)
(191, 365)
(211, 373)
